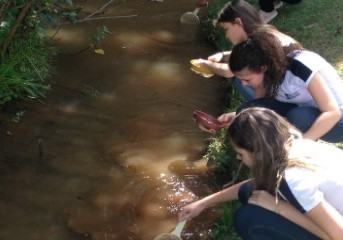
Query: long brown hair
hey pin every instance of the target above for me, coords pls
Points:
(267, 136)
(247, 13)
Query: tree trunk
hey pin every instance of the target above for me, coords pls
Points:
(17, 23)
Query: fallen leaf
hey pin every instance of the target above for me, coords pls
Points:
(99, 51)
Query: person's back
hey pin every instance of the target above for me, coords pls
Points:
(321, 177)
(297, 83)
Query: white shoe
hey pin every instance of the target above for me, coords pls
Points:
(278, 4)
(268, 16)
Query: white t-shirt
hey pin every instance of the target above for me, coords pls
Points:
(305, 65)
(308, 186)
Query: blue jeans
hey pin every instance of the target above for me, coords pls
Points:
(256, 223)
(246, 91)
(301, 117)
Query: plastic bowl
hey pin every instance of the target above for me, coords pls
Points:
(206, 121)
(195, 67)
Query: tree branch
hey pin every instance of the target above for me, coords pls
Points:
(19, 19)
(99, 10)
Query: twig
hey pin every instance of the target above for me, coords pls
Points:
(101, 18)
(99, 10)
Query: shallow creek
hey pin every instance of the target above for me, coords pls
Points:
(113, 151)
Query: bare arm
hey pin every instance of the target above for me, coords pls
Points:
(218, 63)
(330, 113)
(221, 69)
(220, 57)
(194, 209)
(327, 218)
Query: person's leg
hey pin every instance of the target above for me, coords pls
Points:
(266, 5)
(246, 91)
(281, 108)
(267, 12)
(252, 222)
(304, 117)
(292, 1)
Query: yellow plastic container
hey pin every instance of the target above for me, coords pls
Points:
(205, 72)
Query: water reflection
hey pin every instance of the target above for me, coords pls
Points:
(121, 164)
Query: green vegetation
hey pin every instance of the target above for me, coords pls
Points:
(318, 25)
(26, 57)
(25, 60)
(223, 228)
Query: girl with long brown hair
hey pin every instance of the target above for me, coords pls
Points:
(296, 185)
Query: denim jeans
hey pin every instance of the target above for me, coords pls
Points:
(256, 223)
(301, 117)
(246, 91)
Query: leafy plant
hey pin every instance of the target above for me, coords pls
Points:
(25, 60)
(223, 228)
(99, 35)
(22, 74)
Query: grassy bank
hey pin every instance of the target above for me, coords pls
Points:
(318, 25)
(24, 71)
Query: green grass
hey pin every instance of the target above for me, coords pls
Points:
(318, 25)
(24, 69)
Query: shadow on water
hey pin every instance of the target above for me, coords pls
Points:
(118, 164)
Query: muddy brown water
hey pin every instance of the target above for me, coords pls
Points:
(113, 151)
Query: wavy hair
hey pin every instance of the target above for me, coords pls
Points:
(268, 137)
(262, 48)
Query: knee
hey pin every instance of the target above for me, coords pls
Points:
(302, 117)
(246, 218)
(245, 191)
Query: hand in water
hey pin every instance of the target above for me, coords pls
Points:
(191, 210)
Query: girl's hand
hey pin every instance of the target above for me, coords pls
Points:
(263, 199)
(201, 62)
(227, 118)
(191, 210)
(217, 57)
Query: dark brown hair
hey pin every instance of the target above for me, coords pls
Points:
(263, 48)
